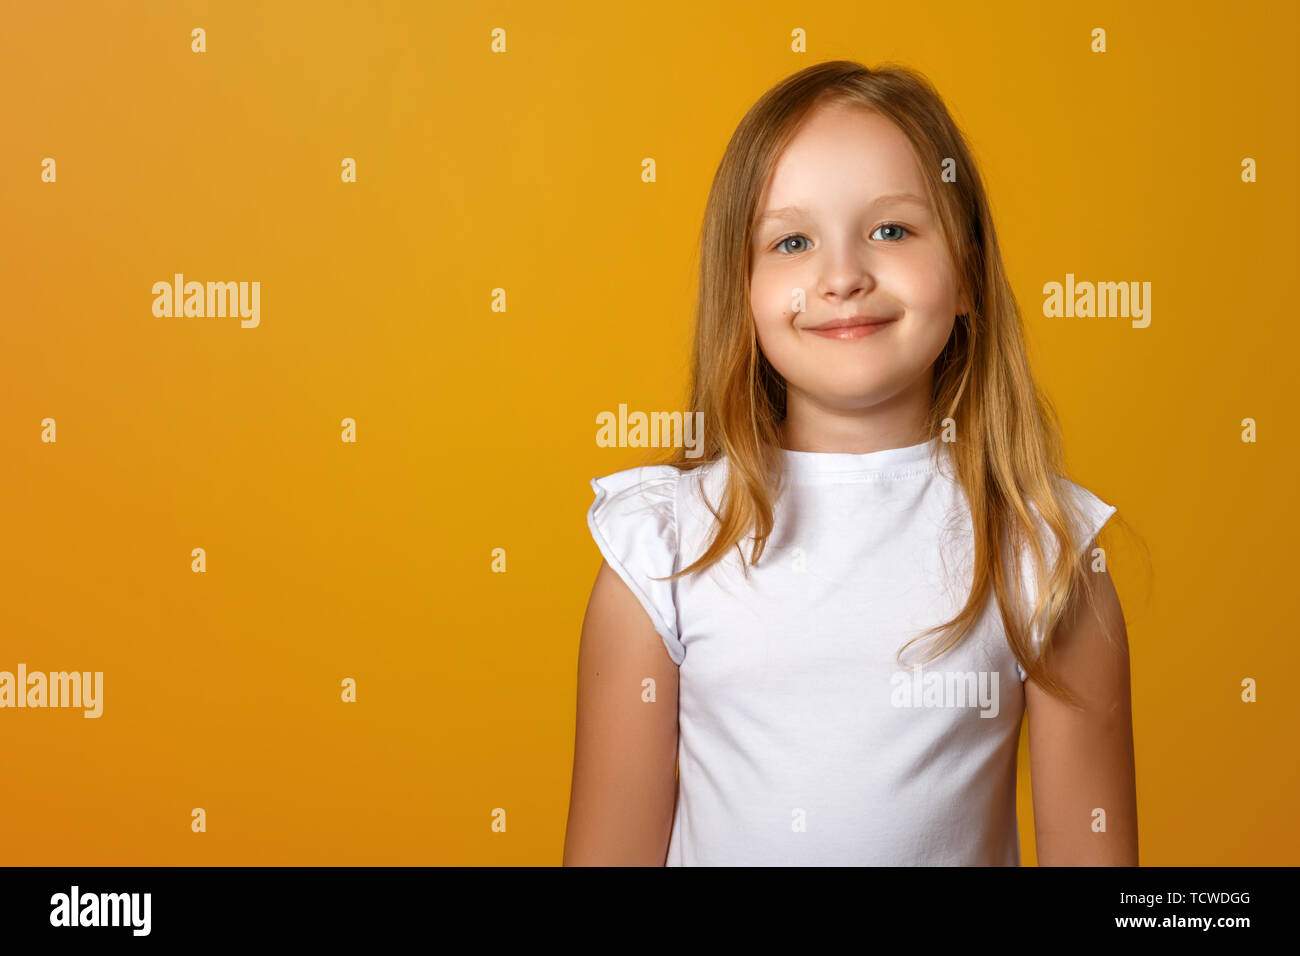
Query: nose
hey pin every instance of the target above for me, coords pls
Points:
(846, 273)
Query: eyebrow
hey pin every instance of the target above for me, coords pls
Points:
(789, 212)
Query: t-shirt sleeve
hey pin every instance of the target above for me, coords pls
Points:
(634, 523)
(1093, 515)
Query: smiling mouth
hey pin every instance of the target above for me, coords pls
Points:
(854, 330)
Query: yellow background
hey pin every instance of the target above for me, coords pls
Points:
(521, 171)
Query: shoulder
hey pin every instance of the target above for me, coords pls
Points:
(647, 489)
(1085, 515)
(636, 508)
(633, 521)
(1087, 512)
(658, 479)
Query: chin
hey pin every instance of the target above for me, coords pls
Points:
(847, 395)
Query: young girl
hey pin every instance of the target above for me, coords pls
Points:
(879, 470)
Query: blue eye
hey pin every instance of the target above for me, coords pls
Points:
(793, 236)
(782, 242)
(890, 225)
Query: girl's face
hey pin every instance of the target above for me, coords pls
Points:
(837, 223)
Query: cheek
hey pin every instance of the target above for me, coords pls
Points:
(936, 331)
(931, 286)
(772, 313)
(772, 297)
(929, 332)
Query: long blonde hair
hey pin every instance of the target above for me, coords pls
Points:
(1010, 446)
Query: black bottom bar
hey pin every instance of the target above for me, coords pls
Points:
(332, 905)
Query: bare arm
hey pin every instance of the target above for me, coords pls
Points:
(1082, 759)
(625, 748)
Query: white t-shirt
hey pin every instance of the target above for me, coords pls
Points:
(802, 740)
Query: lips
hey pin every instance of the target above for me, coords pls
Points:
(850, 329)
(848, 322)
